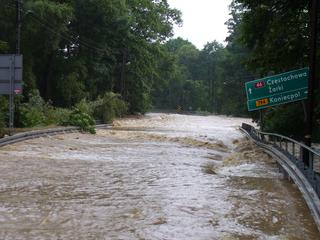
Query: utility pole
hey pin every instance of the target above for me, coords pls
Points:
(125, 63)
(18, 25)
(312, 77)
(122, 77)
(17, 52)
(211, 93)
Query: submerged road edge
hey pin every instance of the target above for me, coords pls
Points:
(308, 193)
(20, 137)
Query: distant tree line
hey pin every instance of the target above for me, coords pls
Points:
(265, 38)
(211, 79)
(119, 53)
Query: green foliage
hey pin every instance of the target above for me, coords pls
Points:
(78, 49)
(211, 79)
(276, 36)
(109, 107)
(82, 120)
(195, 96)
(69, 90)
(56, 116)
(140, 103)
(3, 46)
(276, 32)
(36, 112)
(284, 120)
(86, 107)
(2, 125)
(31, 113)
(270, 37)
(289, 120)
(4, 106)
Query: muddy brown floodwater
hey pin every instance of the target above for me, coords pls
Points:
(162, 176)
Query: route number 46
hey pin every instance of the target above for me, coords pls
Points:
(259, 85)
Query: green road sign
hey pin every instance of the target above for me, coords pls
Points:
(279, 89)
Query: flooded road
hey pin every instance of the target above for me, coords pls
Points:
(162, 176)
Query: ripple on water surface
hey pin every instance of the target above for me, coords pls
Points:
(163, 176)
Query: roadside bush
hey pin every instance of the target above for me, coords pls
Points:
(82, 120)
(4, 113)
(56, 116)
(109, 107)
(31, 114)
(86, 107)
(2, 124)
(36, 112)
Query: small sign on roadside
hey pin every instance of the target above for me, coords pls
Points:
(10, 72)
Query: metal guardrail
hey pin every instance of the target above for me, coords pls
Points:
(289, 154)
(43, 133)
(295, 151)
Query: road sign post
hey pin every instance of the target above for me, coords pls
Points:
(279, 89)
(313, 26)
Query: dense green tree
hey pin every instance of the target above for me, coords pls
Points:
(181, 86)
(233, 71)
(83, 48)
(276, 32)
(211, 58)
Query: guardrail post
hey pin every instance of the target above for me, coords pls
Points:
(310, 156)
(301, 154)
(306, 157)
(293, 149)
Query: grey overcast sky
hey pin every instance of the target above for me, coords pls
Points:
(203, 20)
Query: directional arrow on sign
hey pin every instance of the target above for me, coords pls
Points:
(278, 89)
